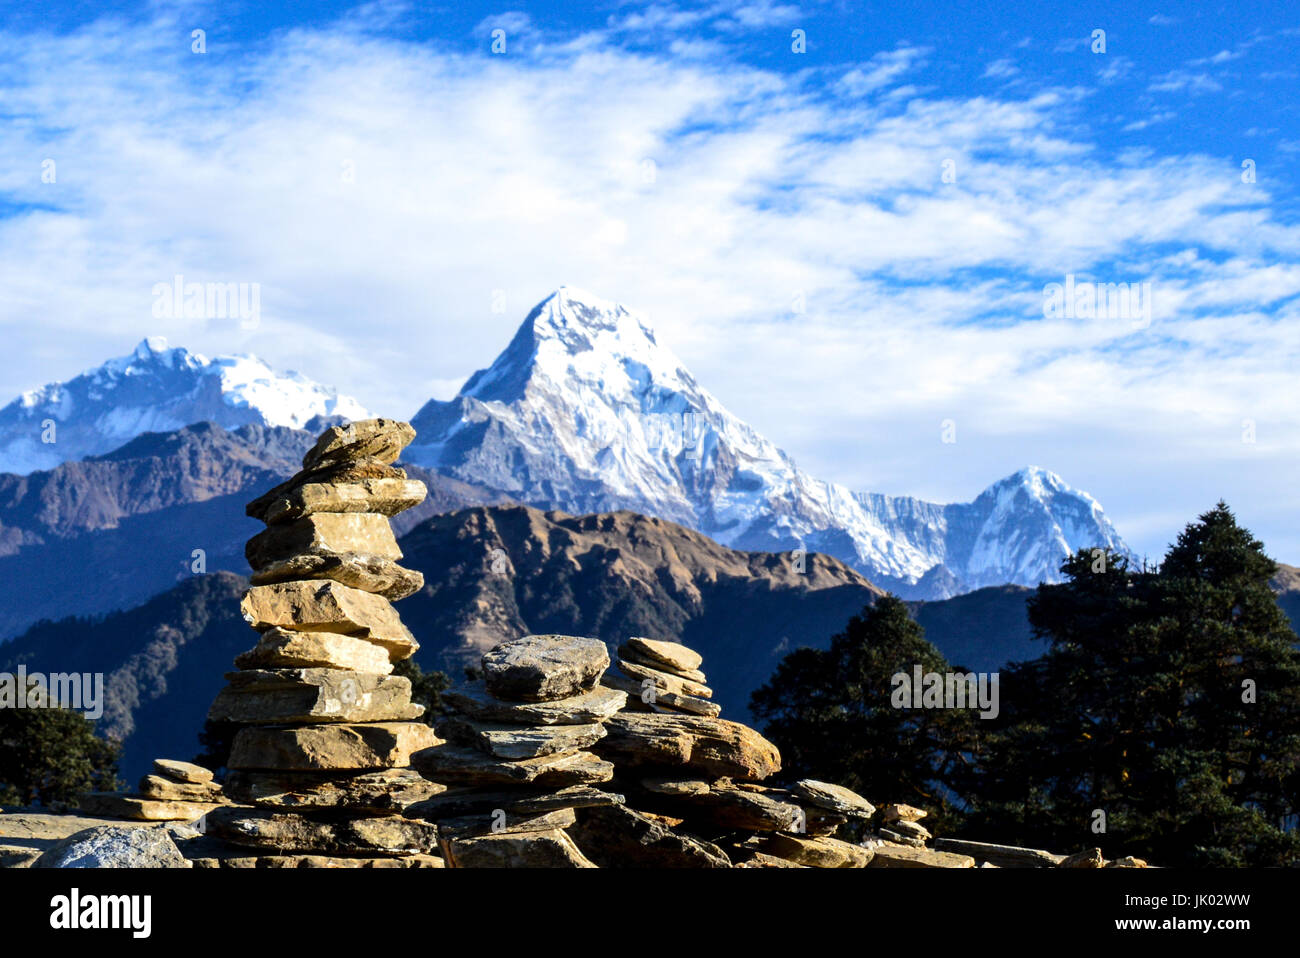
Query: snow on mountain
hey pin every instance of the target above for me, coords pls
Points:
(155, 389)
(585, 411)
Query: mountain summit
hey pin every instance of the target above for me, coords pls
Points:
(155, 389)
(585, 411)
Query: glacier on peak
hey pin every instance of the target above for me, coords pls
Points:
(155, 388)
(585, 411)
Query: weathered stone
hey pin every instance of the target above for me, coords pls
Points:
(454, 765)
(382, 439)
(627, 655)
(1006, 856)
(543, 668)
(661, 701)
(369, 573)
(284, 696)
(285, 649)
(902, 856)
(1128, 861)
(902, 813)
(615, 836)
(474, 701)
(359, 746)
(672, 787)
(736, 808)
(475, 826)
(319, 861)
(337, 474)
(673, 656)
(323, 534)
(182, 771)
(115, 805)
(763, 860)
(818, 852)
(516, 742)
(911, 830)
(368, 793)
(385, 497)
(523, 803)
(1091, 858)
(168, 790)
(715, 746)
(109, 846)
(553, 849)
(329, 607)
(834, 798)
(898, 838)
(290, 832)
(820, 822)
(664, 681)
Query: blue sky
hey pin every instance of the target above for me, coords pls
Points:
(783, 218)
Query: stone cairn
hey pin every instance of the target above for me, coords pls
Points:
(517, 755)
(172, 792)
(320, 762)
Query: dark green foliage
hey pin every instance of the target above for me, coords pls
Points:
(830, 714)
(426, 687)
(50, 755)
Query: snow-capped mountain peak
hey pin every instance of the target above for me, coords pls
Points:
(587, 411)
(155, 388)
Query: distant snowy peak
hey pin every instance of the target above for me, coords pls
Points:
(155, 389)
(586, 411)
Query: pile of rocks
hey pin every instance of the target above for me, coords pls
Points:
(172, 792)
(320, 762)
(662, 677)
(517, 756)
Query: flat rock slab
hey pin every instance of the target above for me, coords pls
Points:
(519, 742)
(615, 836)
(902, 856)
(1090, 858)
(645, 692)
(373, 745)
(367, 793)
(329, 606)
(113, 846)
(553, 849)
(834, 798)
(672, 656)
(182, 771)
(318, 861)
(474, 701)
(898, 812)
(455, 765)
(1004, 856)
(735, 808)
(369, 573)
(115, 805)
(290, 832)
(477, 826)
(381, 439)
(286, 649)
(386, 497)
(543, 668)
(169, 790)
(664, 681)
(341, 473)
(714, 746)
(323, 534)
(285, 696)
(818, 852)
(506, 805)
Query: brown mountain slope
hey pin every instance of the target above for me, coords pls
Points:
(498, 573)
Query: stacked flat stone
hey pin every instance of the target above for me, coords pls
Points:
(517, 756)
(172, 792)
(320, 764)
(693, 781)
(662, 677)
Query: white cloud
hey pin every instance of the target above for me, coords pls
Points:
(705, 193)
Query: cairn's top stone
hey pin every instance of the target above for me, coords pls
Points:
(834, 798)
(542, 668)
(672, 654)
(381, 439)
(186, 772)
